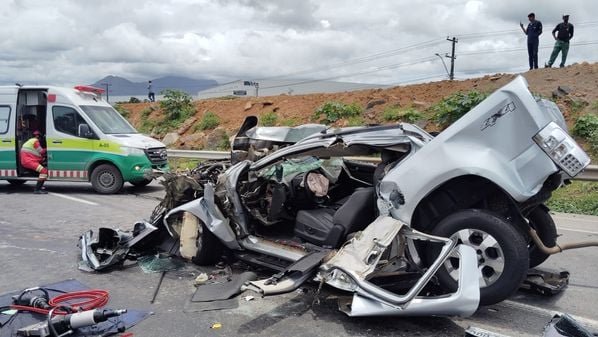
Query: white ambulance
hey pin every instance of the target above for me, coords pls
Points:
(86, 139)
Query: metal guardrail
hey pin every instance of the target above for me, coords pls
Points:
(192, 154)
(590, 173)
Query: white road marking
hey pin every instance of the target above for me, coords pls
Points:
(73, 198)
(2, 246)
(541, 311)
(576, 230)
(575, 217)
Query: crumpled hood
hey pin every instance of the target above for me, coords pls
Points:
(136, 140)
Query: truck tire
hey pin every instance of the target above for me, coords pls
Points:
(540, 220)
(503, 258)
(16, 182)
(106, 179)
(141, 183)
(209, 248)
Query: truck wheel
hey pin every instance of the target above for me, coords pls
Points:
(503, 258)
(141, 183)
(16, 182)
(540, 220)
(106, 179)
(209, 248)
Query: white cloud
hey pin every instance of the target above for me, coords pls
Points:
(72, 41)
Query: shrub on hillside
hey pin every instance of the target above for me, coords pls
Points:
(146, 123)
(291, 121)
(177, 105)
(268, 118)
(333, 111)
(395, 114)
(355, 121)
(121, 110)
(453, 107)
(585, 125)
(209, 121)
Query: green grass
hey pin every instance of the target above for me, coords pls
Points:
(291, 121)
(451, 108)
(580, 197)
(183, 164)
(269, 118)
(355, 121)
(209, 121)
(396, 114)
(331, 112)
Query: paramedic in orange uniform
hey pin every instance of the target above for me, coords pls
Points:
(32, 156)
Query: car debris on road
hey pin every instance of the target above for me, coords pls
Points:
(441, 225)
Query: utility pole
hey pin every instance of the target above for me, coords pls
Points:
(452, 57)
(107, 85)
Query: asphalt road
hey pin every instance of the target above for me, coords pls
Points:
(39, 233)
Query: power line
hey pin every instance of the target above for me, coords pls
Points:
(399, 65)
(390, 53)
(417, 79)
(385, 54)
(377, 69)
(363, 59)
(393, 52)
(381, 68)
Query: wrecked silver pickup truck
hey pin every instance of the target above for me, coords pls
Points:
(463, 210)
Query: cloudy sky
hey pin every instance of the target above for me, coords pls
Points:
(384, 41)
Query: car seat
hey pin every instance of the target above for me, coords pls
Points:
(329, 226)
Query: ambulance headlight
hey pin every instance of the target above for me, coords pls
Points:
(132, 151)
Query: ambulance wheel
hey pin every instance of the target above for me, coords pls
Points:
(106, 179)
(15, 182)
(141, 183)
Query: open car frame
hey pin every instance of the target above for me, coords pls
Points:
(455, 210)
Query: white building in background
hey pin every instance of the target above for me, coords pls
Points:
(281, 87)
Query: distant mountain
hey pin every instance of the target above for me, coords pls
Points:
(119, 86)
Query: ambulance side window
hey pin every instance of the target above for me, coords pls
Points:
(66, 119)
(4, 118)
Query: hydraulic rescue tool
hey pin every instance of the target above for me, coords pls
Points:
(64, 325)
(64, 313)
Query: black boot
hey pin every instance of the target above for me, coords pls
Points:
(38, 188)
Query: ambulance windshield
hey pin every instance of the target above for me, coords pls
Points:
(108, 119)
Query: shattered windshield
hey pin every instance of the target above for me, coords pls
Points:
(332, 167)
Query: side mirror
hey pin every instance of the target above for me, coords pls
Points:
(85, 131)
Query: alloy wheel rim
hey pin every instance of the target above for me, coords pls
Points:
(491, 258)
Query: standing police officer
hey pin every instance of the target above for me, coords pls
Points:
(562, 33)
(533, 32)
